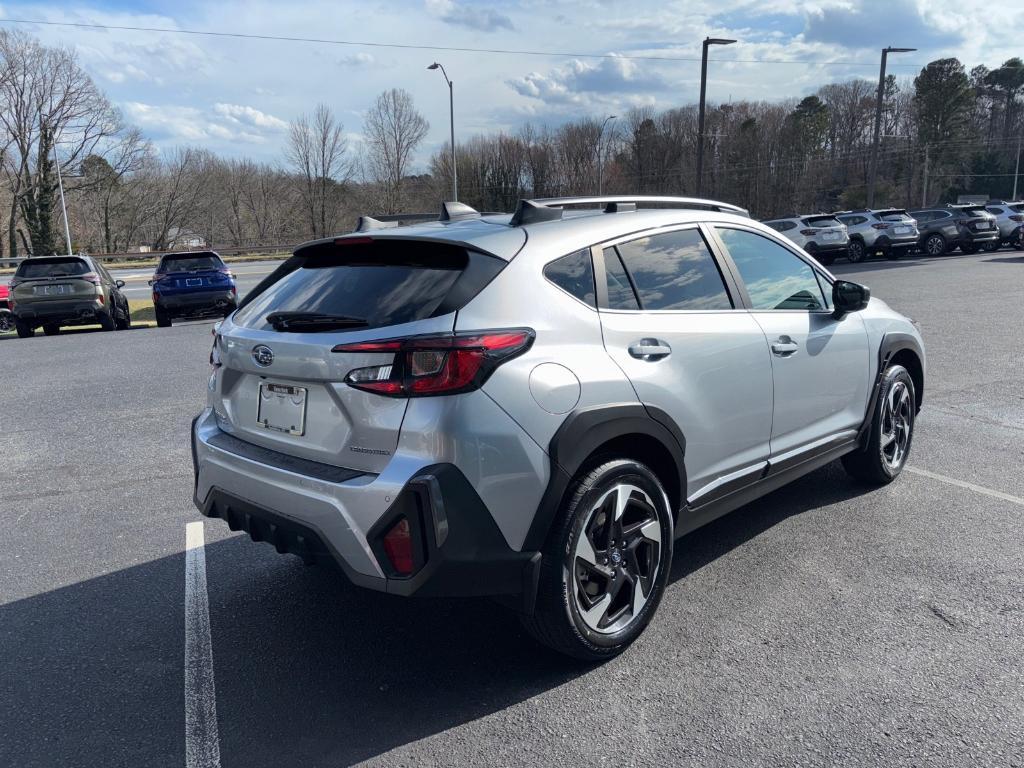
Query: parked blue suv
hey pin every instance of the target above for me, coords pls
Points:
(192, 285)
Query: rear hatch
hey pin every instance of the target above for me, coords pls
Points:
(826, 230)
(897, 224)
(283, 385)
(52, 279)
(191, 273)
(978, 219)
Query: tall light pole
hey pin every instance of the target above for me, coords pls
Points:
(63, 206)
(878, 122)
(451, 115)
(600, 164)
(700, 119)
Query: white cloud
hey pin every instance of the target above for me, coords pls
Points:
(469, 15)
(360, 59)
(237, 113)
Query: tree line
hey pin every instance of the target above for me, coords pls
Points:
(946, 132)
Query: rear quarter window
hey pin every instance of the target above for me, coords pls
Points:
(574, 274)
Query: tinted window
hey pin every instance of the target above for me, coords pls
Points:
(620, 292)
(382, 284)
(787, 225)
(575, 274)
(995, 211)
(190, 262)
(894, 216)
(821, 221)
(775, 278)
(675, 271)
(52, 267)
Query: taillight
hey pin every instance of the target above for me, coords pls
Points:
(398, 547)
(436, 365)
(91, 277)
(880, 226)
(808, 232)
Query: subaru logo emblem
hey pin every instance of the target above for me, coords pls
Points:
(262, 355)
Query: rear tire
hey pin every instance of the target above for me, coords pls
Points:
(892, 254)
(612, 541)
(163, 320)
(968, 248)
(107, 322)
(891, 434)
(24, 330)
(826, 259)
(856, 252)
(51, 329)
(991, 247)
(126, 323)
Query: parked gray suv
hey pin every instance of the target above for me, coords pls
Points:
(891, 232)
(535, 407)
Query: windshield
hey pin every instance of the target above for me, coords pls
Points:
(59, 267)
(190, 263)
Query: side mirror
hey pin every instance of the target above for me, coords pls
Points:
(849, 297)
(119, 283)
(149, 282)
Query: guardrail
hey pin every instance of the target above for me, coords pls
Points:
(116, 258)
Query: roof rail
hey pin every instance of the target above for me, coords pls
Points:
(642, 201)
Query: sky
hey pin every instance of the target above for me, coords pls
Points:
(236, 96)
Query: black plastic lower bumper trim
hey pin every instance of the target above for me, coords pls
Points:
(278, 460)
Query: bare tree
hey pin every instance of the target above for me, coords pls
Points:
(393, 129)
(318, 153)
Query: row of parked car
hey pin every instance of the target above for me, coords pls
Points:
(893, 232)
(51, 292)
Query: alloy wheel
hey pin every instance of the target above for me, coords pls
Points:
(897, 422)
(936, 246)
(616, 560)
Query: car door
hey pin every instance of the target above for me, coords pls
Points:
(670, 321)
(820, 364)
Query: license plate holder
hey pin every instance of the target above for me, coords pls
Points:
(282, 408)
(193, 281)
(831, 236)
(902, 230)
(51, 290)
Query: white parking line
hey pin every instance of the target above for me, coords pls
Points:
(202, 743)
(969, 486)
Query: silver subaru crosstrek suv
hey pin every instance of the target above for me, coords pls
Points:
(822, 235)
(535, 406)
(891, 232)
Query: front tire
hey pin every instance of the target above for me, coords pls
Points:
(892, 431)
(856, 252)
(605, 564)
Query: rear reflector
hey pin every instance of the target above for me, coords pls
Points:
(435, 365)
(398, 547)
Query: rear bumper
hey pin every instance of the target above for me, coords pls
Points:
(840, 247)
(69, 311)
(340, 521)
(199, 303)
(884, 242)
(978, 237)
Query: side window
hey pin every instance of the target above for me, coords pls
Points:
(776, 225)
(675, 271)
(620, 292)
(574, 274)
(775, 278)
(995, 211)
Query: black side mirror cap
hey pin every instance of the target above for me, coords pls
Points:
(119, 283)
(849, 297)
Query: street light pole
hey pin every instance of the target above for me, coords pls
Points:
(63, 206)
(872, 175)
(708, 41)
(451, 115)
(600, 164)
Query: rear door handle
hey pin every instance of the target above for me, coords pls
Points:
(784, 347)
(650, 349)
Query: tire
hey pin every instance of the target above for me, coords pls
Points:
(991, 247)
(578, 554)
(826, 259)
(107, 321)
(163, 320)
(51, 329)
(856, 251)
(126, 323)
(935, 245)
(968, 248)
(892, 432)
(24, 330)
(892, 254)
(6, 322)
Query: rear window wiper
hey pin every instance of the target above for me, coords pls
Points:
(308, 321)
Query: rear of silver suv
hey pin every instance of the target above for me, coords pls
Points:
(821, 235)
(891, 232)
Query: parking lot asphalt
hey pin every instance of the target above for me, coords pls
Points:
(822, 625)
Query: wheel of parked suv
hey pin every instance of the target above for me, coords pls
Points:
(892, 431)
(855, 251)
(935, 245)
(605, 564)
(968, 248)
(25, 331)
(123, 324)
(107, 322)
(51, 329)
(163, 320)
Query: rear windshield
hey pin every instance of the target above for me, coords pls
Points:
(822, 221)
(1017, 207)
(58, 267)
(975, 210)
(895, 216)
(380, 284)
(190, 262)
